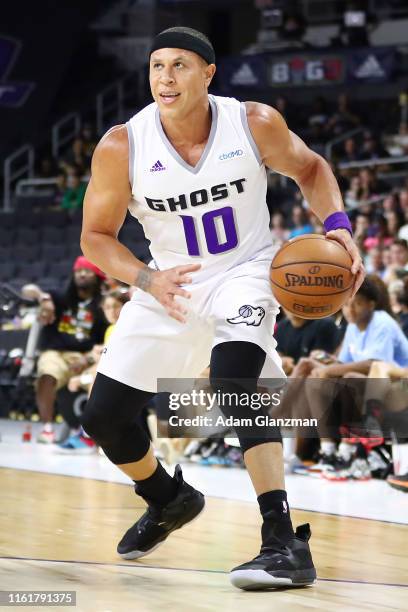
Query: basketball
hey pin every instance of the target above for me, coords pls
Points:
(311, 276)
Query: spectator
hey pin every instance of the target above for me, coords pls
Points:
(379, 234)
(89, 142)
(300, 221)
(350, 153)
(354, 194)
(297, 338)
(370, 184)
(76, 159)
(372, 149)
(403, 200)
(398, 260)
(402, 300)
(361, 227)
(278, 228)
(403, 230)
(394, 222)
(374, 263)
(73, 323)
(59, 189)
(74, 194)
(399, 142)
(318, 112)
(343, 119)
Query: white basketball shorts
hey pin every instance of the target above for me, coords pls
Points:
(147, 344)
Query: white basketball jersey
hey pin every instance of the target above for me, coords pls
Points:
(214, 213)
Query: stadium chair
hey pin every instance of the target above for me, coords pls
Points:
(5, 253)
(73, 233)
(53, 252)
(26, 236)
(18, 283)
(25, 253)
(6, 237)
(55, 218)
(50, 283)
(61, 269)
(54, 235)
(33, 271)
(7, 270)
(29, 219)
(8, 221)
(74, 250)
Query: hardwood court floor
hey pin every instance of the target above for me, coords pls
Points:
(60, 533)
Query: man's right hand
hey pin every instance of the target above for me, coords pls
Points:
(165, 285)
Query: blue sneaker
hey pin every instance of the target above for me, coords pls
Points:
(77, 444)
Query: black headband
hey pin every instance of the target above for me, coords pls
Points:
(184, 40)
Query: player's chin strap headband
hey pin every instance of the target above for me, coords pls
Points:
(338, 220)
(183, 40)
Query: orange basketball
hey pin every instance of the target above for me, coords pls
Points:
(310, 276)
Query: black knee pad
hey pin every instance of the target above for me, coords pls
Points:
(234, 372)
(111, 418)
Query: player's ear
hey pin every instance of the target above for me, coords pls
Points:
(209, 73)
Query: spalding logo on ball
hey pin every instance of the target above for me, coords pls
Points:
(311, 276)
(250, 315)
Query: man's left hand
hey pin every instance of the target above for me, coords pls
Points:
(344, 238)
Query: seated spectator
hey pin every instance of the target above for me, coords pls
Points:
(73, 323)
(59, 189)
(73, 197)
(372, 148)
(279, 231)
(79, 442)
(398, 260)
(403, 201)
(76, 158)
(403, 230)
(378, 234)
(371, 185)
(318, 112)
(48, 168)
(89, 142)
(300, 221)
(374, 262)
(395, 221)
(402, 300)
(350, 152)
(297, 338)
(399, 142)
(361, 227)
(343, 119)
(353, 196)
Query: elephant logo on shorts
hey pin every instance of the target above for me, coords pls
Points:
(250, 315)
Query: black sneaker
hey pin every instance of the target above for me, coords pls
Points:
(158, 522)
(278, 565)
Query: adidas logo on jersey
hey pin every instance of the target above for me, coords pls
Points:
(370, 68)
(157, 167)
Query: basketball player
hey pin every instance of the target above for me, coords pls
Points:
(191, 168)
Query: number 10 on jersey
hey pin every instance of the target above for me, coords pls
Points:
(214, 245)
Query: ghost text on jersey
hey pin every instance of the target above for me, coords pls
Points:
(196, 198)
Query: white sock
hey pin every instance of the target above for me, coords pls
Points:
(346, 450)
(327, 447)
(400, 459)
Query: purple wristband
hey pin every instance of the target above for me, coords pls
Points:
(338, 220)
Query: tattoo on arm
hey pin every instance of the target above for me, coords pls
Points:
(144, 278)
